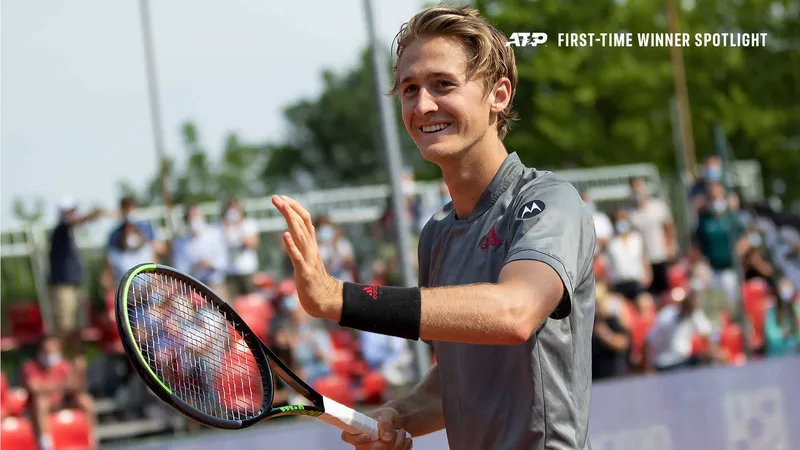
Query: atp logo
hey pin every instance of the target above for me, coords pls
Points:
(526, 39)
(531, 209)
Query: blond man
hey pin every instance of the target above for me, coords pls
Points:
(506, 295)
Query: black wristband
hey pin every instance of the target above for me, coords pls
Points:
(394, 311)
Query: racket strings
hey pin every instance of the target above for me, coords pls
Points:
(193, 347)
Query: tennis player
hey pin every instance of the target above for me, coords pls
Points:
(506, 293)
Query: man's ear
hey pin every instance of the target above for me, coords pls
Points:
(500, 96)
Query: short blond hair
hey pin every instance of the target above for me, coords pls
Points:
(489, 57)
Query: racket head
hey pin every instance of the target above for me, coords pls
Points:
(192, 349)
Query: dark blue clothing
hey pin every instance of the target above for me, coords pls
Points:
(65, 262)
(144, 228)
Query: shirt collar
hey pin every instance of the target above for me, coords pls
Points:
(508, 172)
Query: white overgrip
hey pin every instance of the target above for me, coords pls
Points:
(349, 420)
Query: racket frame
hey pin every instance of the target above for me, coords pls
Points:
(266, 359)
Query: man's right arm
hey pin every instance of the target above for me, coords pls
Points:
(421, 410)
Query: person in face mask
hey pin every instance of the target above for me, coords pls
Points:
(130, 248)
(603, 228)
(336, 251)
(628, 269)
(242, 240)
(54, 384)
(653, 219)
(782, 322)
(719, 235)
(202, 251)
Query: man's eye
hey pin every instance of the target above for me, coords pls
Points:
(410, 89)
(444, 84)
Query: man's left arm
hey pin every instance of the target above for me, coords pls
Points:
(547, 253)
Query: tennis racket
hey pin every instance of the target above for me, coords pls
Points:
(197, 355)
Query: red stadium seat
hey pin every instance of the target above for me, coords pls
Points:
(26, 323)
(373, 388)
(732, 343)
(70, 430)
(14, 402)
(336, 388)
(257, 313)
(755, 299)
(17, 433)
(343, 339)
(700, 345)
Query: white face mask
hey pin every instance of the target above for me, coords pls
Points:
(719, 206)
(50, 360)
(787, 293)
(196, 224)
(326, 233)
(623, 227)
(132, 241)
(232, 215)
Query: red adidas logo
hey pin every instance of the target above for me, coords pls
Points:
(491, 241)
(372, 291)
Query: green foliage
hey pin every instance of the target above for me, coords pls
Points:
(578, 106)
(588, 106)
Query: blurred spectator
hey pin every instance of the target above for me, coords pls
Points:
(54, 384)
(201, 252)
(717, 235)
(789, 259)
(781, 330)
(755, 263)
(70, 302)
(130, 248)
(652, 218)
(389, 355)
(628, 269)
(311, 347)
(712, 301)
(669, 342)
(611, 340)
(602, 224)
(442, 200)
(711, 172)
(128, 209)
(241, 239)
(336, 250)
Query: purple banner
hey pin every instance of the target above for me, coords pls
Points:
(738, 408)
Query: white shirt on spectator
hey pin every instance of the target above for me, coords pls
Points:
(670, 338)
(243, 261)
(189, 250)
(650, 220)
(333, 255)
(603, 227)
(625, 258)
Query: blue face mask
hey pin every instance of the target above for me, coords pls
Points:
(592, 207)
(623, 227)
(713, 173)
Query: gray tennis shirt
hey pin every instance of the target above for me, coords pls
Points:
(535, 395)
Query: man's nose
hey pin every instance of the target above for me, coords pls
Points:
(425, 103)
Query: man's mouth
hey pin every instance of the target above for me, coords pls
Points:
(430, 129)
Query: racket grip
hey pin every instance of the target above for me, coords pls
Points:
(349, 420)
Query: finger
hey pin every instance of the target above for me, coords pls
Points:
(386, 430)
(409, 444)
(295, 224)
(400, 440)
(303, 213)
(292, 250)
(356, 439)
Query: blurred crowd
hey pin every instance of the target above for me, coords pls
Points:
(733, 295)
(735, 291)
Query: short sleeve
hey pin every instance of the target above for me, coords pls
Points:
(551, 224)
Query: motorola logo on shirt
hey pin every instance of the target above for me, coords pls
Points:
(531, 209)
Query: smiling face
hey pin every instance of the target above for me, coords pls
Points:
(446, 112)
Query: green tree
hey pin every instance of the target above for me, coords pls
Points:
(588, 106)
